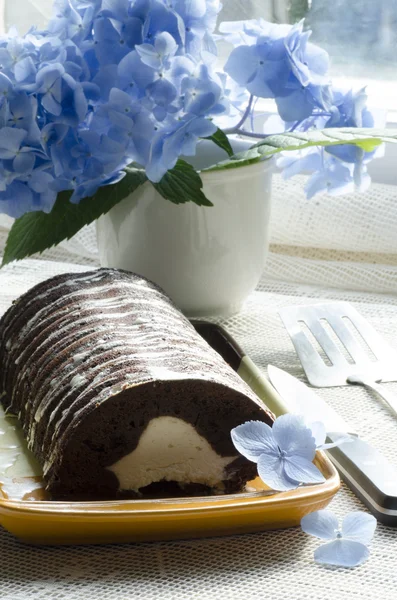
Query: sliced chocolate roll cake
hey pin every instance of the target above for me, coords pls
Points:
(117, 393)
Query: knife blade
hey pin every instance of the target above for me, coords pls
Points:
(302, 400)
(368, 473)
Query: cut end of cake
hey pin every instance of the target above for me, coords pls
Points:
(170, 449)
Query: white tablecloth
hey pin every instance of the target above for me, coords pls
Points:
(355, 260)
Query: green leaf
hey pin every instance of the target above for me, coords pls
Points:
(220, 139)
(37, 231)
(182, 184)
(367, 139)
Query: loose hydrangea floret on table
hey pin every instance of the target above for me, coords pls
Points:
(347, 546)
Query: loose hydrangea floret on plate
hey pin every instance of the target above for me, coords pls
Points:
(284, 452)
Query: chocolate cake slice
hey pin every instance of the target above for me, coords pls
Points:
(118, 395)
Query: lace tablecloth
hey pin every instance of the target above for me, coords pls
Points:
(329, 249)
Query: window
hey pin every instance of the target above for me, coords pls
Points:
(360, 36)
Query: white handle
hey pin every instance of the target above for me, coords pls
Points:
(389, 397)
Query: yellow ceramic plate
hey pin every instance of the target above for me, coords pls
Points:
(26, 513)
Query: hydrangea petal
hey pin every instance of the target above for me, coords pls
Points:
(5, 58)
(162, 92)
(22, 111)
(40, 181)
(318, 432)
(17, 200)
(165, 45)
(318, 61)
(51, 105)
(298, 162)
(242, 64)
(80, 106)
(161, 18)
(315, 184)
(130, 71)
(321, 524)
(342, 553)
(271, 471)
(5, 85)
(117, 8)
(23, 162)
(149, 56)
(202, 127)
(132, 31)
(301, 470)
(10, 141)
(295, 106)
(48, 75)
(254, 438)
(24, 69)
(294, 437)
(193, 8)
(359, 526)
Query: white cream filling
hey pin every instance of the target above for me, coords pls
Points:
(170, 449)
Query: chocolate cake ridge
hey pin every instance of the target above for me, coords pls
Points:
(66, 393)
(27, 303)
(40, 291)
(48, 309)
(25, 332)
(123, 330)
(41, 314)
(86, 316)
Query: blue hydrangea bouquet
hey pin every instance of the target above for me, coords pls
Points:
(114, 93)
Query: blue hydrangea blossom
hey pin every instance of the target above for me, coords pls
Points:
(114, 82)
(108, 83)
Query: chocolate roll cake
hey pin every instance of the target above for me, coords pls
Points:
(117, 394)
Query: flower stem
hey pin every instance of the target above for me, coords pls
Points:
(245, 116)
(295, 125)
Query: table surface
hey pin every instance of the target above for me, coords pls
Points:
(274, 564)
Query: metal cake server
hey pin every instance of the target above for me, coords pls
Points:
(337, 346)
(365, 470)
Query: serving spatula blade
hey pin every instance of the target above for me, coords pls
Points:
(334, 342)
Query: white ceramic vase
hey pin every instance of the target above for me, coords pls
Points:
(207, 259)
